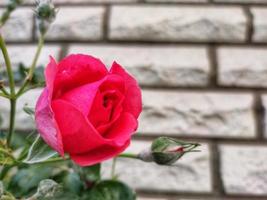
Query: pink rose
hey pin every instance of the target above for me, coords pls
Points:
(86, 110)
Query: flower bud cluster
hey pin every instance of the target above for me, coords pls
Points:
(45, 15)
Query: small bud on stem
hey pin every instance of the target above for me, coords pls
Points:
(166, 151)
(45, 15)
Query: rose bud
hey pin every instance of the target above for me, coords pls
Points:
(45, 15)
(86, 110)
(166, 151)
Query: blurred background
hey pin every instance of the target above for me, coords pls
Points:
(202, 65)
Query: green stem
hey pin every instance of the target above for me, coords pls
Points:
(113, 169)
(11, 120)
(4, 95)
(8, 66)
(32, 68)
(6, 153)
(12, 89)
(52, 161)
(129, 155)
(4, 171)
(4, 91)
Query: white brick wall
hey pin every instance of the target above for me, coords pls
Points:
(20, 25)
(24, 54)
(260, 25)
(78, 24)
(241, 1)
(235, 69)
(202, 65)
(166, 23)
(244, 169)
(202, 114)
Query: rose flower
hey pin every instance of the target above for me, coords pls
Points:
(86, 110)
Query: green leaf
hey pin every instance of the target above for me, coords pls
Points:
(39, 152)
(110, 190)
(92, 173)
(20, 74)
(47, 189)
(6, 158)
(38, 76)
(26, 180)
(89, 174)
(30, 111)
(73, 183)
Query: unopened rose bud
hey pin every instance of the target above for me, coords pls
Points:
(45, 15)
(166, 151)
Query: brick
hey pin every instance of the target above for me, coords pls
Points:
(144, 198)
(25, 53)
(244, 67)
(190, 174)
(185, 198)
(197, 113)
(19, 26)
(69, 2)
(92, 1)
(165, 23)
(241, 1)
(87, 25)
(243, 169)
(259, 24)
(157, 65)
(178, 1)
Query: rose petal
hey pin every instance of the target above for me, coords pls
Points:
(78, 134)
(133, 99)
(88, 98)
(83, 97)
(76, 70)
(102, 115)
(113, 82)
(46, 123)
(98, 155)
(50, 74)
(122, 129)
